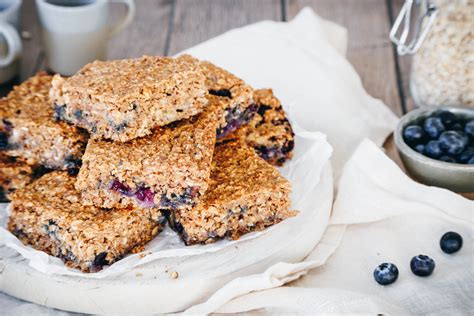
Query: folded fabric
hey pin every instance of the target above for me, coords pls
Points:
(302, 62)
(380, 215)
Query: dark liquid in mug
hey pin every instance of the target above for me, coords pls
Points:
(70, 3)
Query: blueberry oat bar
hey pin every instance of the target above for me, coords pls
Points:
(125, 99)
(239, 106)
(28, 128)
(269, 132)
(48, 215)
(168, 169)
(245, 194)
(15, 174)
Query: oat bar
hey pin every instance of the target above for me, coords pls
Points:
(168, 169)
(49, 216)
(125, 99)
(239, 106)
(245, 194)
(269, 132)
(28, 128)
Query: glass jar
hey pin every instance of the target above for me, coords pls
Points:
(442, 71)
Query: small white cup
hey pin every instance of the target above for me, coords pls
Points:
(10, 41)
(76, 32)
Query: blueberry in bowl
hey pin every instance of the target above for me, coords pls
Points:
(437, 146)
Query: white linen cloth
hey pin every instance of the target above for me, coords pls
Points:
(380, 215)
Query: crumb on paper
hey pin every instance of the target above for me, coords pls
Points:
(174, 275)
(138, 274)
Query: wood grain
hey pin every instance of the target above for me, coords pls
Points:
(369, 50)
(197, 21)
(148, 32)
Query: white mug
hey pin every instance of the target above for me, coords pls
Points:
(10, 42)
(76, 32)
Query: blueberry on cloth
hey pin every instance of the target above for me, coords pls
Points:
(434, 127)
(452, 142)
(447, 118)
(422, 265)
(451, 242)
(469, 128)
(433, 149)
(386, 273)
(413, 134)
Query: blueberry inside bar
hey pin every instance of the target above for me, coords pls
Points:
(49, 216)
(28, 128)
(125, 99)
(168, 169)
(269, 132)
(239, 107)
(15, 174)
(245, 194)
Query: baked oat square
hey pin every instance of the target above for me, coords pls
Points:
(28, 128)
(245, 194)
(125, 99)
(238, 105)
(49, 216)
(269, 132)
(168, 169)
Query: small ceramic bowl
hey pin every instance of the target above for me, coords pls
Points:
(452, 176)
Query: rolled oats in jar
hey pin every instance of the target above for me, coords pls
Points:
(443, 63)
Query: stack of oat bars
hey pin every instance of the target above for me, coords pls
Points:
(96, 164)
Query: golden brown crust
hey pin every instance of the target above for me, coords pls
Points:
(27, 118)
(14, 174)
(49, 216)
(237, 96)
(269, 132)
(174, 163)
(125, 99)
(245, 194)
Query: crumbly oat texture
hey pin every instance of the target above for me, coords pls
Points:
(237, 95)
(28, 128)
(442, 70)
(269, 132)
(125, 99)
(168, 169)
(245, 194)
(48, 215)
(14, 174)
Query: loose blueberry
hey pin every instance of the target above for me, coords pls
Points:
(469, 128)
(434, 127)
(413, 134)
(452, 142)
(386, 273)
(451, 242)
(422, 265)
(467, 154)
(433, 149)
(447, 118)
(420, 148)
(3, 141)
